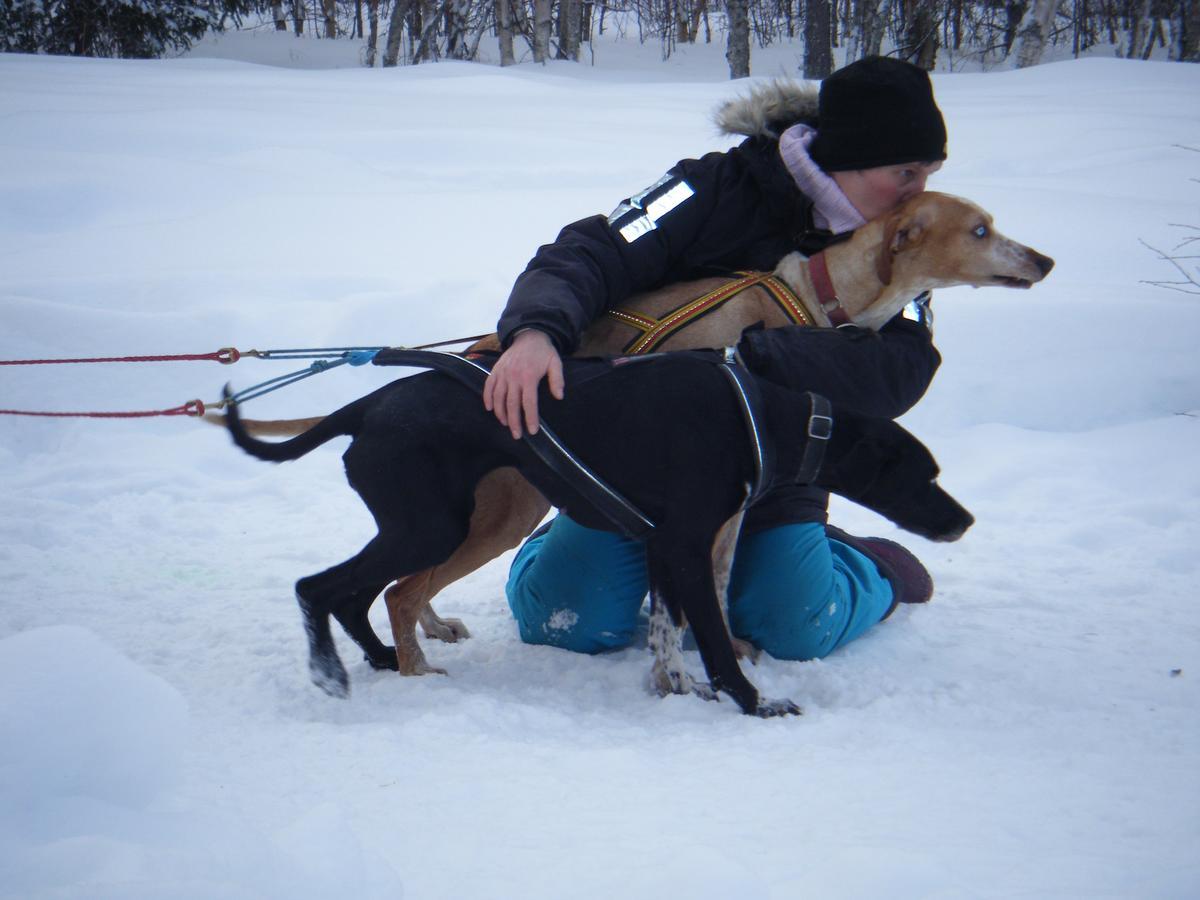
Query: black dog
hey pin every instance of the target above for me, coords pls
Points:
(668, 433)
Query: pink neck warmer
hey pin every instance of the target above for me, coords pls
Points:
(831, 209)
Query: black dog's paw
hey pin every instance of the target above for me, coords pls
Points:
(769, 709)
(385, 663)
(328, 673)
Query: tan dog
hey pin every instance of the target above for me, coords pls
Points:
(932, 241)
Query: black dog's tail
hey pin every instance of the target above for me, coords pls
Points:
(345, 421)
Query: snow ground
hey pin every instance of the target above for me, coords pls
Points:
(1031, 733)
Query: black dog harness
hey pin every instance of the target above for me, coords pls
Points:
(820, 428)
(472, 373)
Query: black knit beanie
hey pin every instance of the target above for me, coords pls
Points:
(877, 112)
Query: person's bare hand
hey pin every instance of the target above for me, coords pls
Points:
(512, 387)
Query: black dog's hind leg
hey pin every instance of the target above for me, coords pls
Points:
(340, 592)
(324, 666)
(352, 616)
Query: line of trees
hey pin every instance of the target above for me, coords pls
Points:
(398, 32)
(126, 29)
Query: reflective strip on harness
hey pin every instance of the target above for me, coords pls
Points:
(655, 331)
(747, 395)
(817, 432)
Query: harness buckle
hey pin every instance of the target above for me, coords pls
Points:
(820, 427)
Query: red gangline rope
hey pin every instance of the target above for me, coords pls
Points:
(225, 356)
(191, 408)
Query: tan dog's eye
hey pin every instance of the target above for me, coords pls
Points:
(981, 231)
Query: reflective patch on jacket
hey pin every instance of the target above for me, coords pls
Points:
(640, 214)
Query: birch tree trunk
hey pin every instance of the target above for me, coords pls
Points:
(391, 55)
(872, 21)
(427, 49)
(679, 16)
(1014, 15)
(854, 31)
(920, 42)
(700, 13)
(278, 15)
(372, 32)
(329, 11)
(541, 30)
(818, 34)
(298, 14)
(1033, 33)
(458, 38)
(1139, 29)
(737, 49)
(570, 21)
(504, 32)
(1188, 40)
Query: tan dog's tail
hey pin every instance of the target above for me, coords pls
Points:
(488, 343)
(268, 427)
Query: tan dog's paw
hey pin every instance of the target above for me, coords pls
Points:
(449, 630)
(426, 669)
(419, 667)
(410, 660)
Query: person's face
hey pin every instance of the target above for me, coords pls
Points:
(874, 192)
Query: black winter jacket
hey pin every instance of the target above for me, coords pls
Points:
(736, 210)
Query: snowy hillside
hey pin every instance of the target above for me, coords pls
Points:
(1031, 733)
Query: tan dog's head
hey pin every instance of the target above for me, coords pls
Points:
(936, 240)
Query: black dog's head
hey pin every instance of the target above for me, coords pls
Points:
(878, 464)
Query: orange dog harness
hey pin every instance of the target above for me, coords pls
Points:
(655, 331)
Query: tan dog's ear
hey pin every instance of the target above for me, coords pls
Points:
(900, 234)
(883, 262)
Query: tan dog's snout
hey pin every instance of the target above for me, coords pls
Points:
(1027, 266)
(1044, 263)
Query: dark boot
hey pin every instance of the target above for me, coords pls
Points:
(910, 581)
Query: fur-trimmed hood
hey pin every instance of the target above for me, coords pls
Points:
(769, 108)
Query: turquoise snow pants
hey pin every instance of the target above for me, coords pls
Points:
(794, 592)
